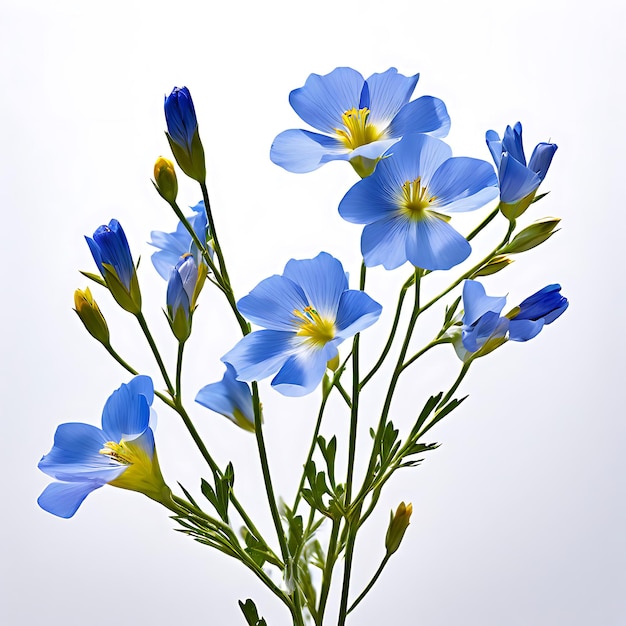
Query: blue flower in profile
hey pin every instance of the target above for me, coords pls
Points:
(518, 181)
(182, 133)
(111, 252)
(121, 453)
(183, 288)
(174, 245)
(231, 398)
(484, 330)
(403, 204)
(359, 119)
(306, 313)
(535, 312)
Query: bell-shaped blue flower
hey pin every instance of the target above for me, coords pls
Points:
(182, 133)
(404, 204)
(121, 453)
(483, 329)
(173, 245)
(231, 398)
(183, 288)
(360, 119)
(111, 252)
(518, 181)
(306, 313)
(535, 312)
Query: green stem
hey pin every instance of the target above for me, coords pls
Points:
(484, 223)
(269, 489)
(179, 369)
(392, 334)
(213, 232)
(120, 360)
(423, 351)
(331, 558)
(146, 331)
(371, 582)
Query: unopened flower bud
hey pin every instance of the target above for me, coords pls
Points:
(494, 265)
(532, 235)
(165, 179)
(398, 524)
(90, 316)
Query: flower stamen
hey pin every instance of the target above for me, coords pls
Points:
(357, 131)
(314, 327)
(415, 200)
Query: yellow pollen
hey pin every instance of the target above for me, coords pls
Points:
(415, 199)
(119, 452)
(357, 131)
(314, 327)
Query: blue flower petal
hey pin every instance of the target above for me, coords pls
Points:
(384, 242)
(542, 158)
(388, 93)
(303, 371)
(523, 330)
(476, 302)
(356, 312)
(494, 144)
(126, 414)
(516, 180)
(301, 151)
(424, 115)
(374, 149)
(463, 184)
(260, 354)
(489, 324)
(323, 99)
(272, 302)
(432, 244)
(369, 200)
(227, 396)
(75, 455)
(63, 499)
(114, 250)
(322, 280)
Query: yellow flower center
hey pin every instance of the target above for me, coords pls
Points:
(415, 201)
(357, 131)
(317, 330)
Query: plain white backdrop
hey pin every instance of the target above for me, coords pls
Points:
(519, 517)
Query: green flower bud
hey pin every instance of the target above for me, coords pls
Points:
(165, 179)
(532, 235)
(398, 524)
(494, 265)
(90, 316)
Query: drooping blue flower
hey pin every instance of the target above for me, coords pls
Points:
(483, 329)
(183, 288)
(231, 398)
(121, 453)
(535, 312)
(174, 245)
(403, 204)
(360, 119)
(111, 252)
(518, 182)
(306, 313)
(182, 133)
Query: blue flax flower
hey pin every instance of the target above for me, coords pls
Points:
(182, 133)
(174, 245)
(122, 453)
(111, 252)
(231, 398)
(518, 182)
(183, 288)
(360, 119)
(307, 312)
(403, 204)
(483, 329)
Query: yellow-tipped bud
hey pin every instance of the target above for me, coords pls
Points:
(165, 179)
(494, 265)
(90, 316)
(398, 524)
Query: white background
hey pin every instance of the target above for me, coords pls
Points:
(519, 516)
